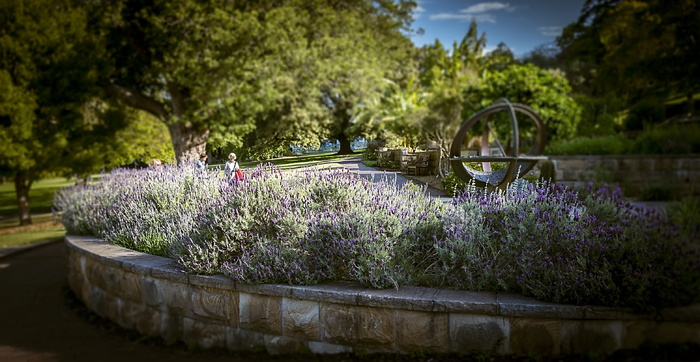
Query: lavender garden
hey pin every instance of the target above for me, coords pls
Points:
(309, 227)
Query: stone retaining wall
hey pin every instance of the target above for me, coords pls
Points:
(148, 294)
(677, 174)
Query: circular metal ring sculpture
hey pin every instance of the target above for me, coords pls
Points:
(517, 164)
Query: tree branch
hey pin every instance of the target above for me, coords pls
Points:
(137, 100)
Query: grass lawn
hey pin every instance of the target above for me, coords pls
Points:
(323, 160)
(45, 227)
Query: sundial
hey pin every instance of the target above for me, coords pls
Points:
(518, 164)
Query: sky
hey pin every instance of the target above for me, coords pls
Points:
(521, 24)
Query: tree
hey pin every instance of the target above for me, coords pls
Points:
(219, 65)
(640, 50)
(375, 49)
(450, 79)
(46, 76)
(395, 115)
(548, 94)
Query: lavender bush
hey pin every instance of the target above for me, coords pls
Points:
(146, 210)
(550, 243)
(306, 227)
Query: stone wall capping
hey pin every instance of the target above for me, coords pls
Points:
(409, 298)
(625, 314)
(169, 271)
(686, 314)
(447, 300)
(278, 290)
(213, 281)
(520, 306)
(338, 292)
(151, 295)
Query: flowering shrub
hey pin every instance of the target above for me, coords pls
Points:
(146, 210)
(550, 243)
(306, 227)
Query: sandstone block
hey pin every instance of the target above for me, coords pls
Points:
(261, 313)
(355, 325)
(244, 340)
(541, 336)
(327, 348)
(205, 335)
(215, 304)
(422, 331)
(475, 333)
(591, 336)
(301, 318)
(277, 345)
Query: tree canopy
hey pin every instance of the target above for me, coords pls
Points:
(636, 49)
(46, 76)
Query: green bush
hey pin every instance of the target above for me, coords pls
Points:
(675, 139)
(451, 184)
(372, 151)
(548, 172)
(604, 145)
(644, 114)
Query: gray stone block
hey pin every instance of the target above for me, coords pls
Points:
(204, 335)
(422, 331)
(479, 333)
(301, 318)
(535, 336)
(260, 313)
(357, 326)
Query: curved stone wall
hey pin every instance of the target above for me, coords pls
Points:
(147, 293)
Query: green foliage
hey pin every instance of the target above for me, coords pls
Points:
(599, 115)
(548, 172)
(686, 214)
(644, 114)
(674, 139)
(48, 72)
(372, 151)
(638, 50)
(548, 94)
(451, 184)
(603, 145)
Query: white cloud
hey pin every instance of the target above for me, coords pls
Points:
(484, 7)
(550, 30)
(480, 18)
(418, 11)
(479, 12)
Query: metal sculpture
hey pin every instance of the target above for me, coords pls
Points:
(517, 164)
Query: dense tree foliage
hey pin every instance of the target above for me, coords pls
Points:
(640, 51)
(294, 68)
(548, 94)
(46, 76)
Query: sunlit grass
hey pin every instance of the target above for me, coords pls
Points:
(40, 196)
(324, 160)
(31, 237)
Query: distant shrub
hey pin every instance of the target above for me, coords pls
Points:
(675, 139)
(645, 114)
(603, 145)
(451, 184)
(372, 151)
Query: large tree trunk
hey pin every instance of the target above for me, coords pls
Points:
(188, 142)
(23, 182)
(345, 147)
